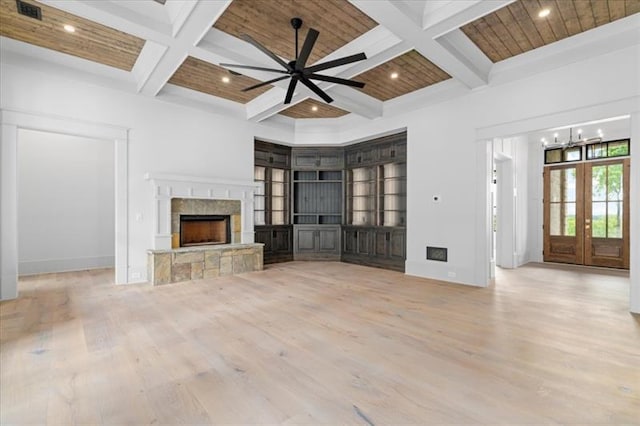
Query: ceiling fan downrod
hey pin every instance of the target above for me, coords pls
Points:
(296, 23)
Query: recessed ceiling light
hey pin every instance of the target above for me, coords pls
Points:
(394, 75)
(544, 13)
(226, 79)
(314, 108)
(69, 28)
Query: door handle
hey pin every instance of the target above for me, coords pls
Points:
(587, 226)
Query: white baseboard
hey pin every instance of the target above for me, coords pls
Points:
(33, 267)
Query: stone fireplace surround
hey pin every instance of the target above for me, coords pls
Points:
(193, 206)
(167, 263)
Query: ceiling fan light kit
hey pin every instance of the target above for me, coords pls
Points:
(296, 70)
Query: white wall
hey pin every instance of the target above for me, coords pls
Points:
(66, 204)
(444, 155)
(163, 138)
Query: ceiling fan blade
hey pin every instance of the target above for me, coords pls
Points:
(264, 83)
(311, 85)
(337, 80)
(309, 42)
(251, 67)
(335, 63)
(266, 51)
(292, 87)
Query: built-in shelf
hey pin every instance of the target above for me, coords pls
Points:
(317, 197)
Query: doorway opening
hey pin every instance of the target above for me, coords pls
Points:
(66, 202)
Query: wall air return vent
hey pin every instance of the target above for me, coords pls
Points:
(437, 253)
(30, 10)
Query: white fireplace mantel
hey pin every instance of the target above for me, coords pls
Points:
(167, 186)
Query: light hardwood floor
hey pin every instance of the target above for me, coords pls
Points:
(312, 342)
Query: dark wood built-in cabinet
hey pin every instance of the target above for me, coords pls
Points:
(346, 204)
(317, 202)
(374, 233)
(374, 246)
(272, 201)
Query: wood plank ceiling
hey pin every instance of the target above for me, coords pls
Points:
(305, 109)
(90, 40)
(517, 28)
(414, 72)
(208, 78)
(268, 22)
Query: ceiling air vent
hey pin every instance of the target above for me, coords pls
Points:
(30, 10)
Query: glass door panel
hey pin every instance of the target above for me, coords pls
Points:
(586, 213)
(606, 210)
(563, 211)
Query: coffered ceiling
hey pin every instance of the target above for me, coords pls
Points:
(268, 22)
(418, 51)
(310, 108)
(89, 40)
(214, 80)
(517, 28)
(401, 75)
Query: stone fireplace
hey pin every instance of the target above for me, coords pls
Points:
(197, 221)
(203, 228)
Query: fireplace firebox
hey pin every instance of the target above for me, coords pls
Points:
(200, 230)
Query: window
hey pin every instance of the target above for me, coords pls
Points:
(562, 155)
(609, 149)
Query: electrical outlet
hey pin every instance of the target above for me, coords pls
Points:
(451, 274)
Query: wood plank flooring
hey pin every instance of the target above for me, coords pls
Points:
(314, 342)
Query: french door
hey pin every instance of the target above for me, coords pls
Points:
(586, 213)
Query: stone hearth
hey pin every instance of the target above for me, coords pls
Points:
(195, 263)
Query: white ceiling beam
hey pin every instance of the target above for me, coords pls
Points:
(202, 101)
(117, 17)
(148, 59)
(356, 101)
(388, 14)
(178, 11)
(460, 46)
(202, 17)
(459, 13)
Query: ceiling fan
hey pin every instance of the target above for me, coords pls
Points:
(297, 70)
(571, 143)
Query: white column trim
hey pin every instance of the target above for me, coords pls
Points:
(8, 211)
(634, 213)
